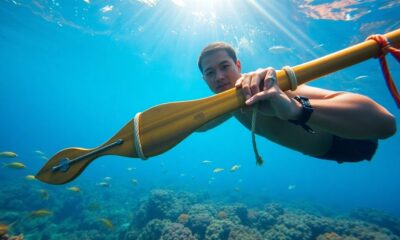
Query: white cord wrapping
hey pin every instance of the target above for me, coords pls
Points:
(259, 160)
(136, 136)
(292, 77)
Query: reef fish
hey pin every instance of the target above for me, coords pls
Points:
(38, 152)
(15, 165)
(41, 213)
(279, 49)
(107, 223)
(103, 184)
(30, 177)
(235, 167)
(361, 77)
(74, 189)
(217, 170)
(8, 154)
(206, 162)
(4, 228)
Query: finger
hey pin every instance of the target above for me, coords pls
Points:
(255, 84)
(257, 97)
(238, 83)
(270, 78)
(246, 87)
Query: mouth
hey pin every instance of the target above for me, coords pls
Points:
(223, 87)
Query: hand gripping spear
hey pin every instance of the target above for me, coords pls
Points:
(160, 128)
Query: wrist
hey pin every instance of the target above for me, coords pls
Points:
(296, 112)
(305, 114)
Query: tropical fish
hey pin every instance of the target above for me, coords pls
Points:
(360, 77)
(41, 213)
(8, 154)
(235, 167)
(135, 182)
(206, 162)
(107, 223)
(30, 177)
(15, 165)
(74, 189)
(5, 227)
(44, 194)
(38, 152)
(44, 158)
(291, 187)
(279, 49)
(217, 170)
(103, 184)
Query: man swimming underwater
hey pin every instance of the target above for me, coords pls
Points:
(325, 124)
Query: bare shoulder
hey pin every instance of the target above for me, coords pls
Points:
(314, 92)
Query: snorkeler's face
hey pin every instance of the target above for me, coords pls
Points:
(220, 71)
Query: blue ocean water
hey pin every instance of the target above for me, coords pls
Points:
(72, 73)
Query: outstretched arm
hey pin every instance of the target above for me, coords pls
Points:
(344, 114)
(349, 115)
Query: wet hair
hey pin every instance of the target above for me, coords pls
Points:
(214, 47)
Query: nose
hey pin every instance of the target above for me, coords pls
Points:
(219, 76)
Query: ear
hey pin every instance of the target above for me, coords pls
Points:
(239, 65)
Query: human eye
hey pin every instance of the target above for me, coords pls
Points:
(225, 66)
(209, 73)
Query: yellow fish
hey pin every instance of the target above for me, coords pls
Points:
(30, 177)
(15, 165)
(4, 228)
(107, 223)
(235, 167)
(41, 213)
(8, 154)
(74, 189)
(217, 170)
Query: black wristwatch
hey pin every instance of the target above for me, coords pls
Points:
(306, 111)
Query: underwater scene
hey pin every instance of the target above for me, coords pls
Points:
(73, 73)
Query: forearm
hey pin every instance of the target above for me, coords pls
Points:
(352, 116)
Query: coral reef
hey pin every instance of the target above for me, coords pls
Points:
(219, 230)
(161, 204)
(239, 232)
(379, 218)
(176, 231)
(168, 215)
(153, 229)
